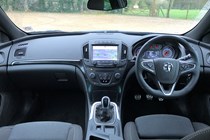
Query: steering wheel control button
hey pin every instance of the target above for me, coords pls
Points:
(191, 66)
(149, 65)
(186, 67)
(183, 67)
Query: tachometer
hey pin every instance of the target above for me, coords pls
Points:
(168, 52)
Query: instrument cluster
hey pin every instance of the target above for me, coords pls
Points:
(165, 50)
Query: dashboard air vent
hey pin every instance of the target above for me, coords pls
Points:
(86, 52)
(20, 52)
(124, 52)
(1, 57)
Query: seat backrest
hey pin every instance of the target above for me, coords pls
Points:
(203, 134)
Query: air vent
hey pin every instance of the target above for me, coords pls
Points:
(124, 52)
(208, 58)
(20, 52)
(1, 57)
(86, 52)
(23, 44)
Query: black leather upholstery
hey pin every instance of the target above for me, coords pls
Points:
(161, 127)
(42, 131)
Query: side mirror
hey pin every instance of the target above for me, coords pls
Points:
(106, 5)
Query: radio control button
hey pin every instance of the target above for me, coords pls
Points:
(94, 62)
(115, 62)
(100, 76)
(109, 77)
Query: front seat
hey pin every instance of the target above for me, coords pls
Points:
(165, 127)
(41, 131)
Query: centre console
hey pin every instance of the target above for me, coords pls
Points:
(104, 61)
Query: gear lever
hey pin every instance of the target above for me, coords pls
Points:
(104, 112)
(105, 102)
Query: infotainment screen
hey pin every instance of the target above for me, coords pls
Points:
(105, 52)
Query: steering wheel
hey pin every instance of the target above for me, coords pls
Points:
(167, 71)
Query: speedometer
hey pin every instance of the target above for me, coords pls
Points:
(168, 52)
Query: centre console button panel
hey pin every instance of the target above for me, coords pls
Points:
(104, 61)
(105, 77)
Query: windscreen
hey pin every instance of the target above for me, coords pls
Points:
(158, 16)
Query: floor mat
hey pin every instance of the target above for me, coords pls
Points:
(65, 107)
(135, 108)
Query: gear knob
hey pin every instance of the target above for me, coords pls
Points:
(105, 102)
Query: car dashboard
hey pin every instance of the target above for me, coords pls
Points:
(98, 63)
(104, 59)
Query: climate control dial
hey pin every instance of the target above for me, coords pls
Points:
(92, 75)
(117, 75)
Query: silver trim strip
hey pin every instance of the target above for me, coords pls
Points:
(93, 109)
(163, 90)
(44, 61)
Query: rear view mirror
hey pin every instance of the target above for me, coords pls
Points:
(106, 5)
